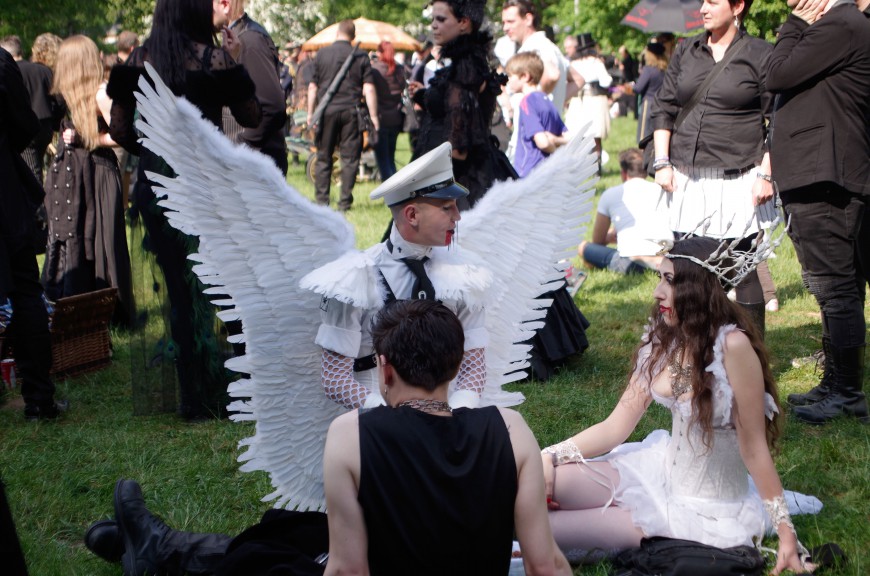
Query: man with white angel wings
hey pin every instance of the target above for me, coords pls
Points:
(415, 262)
(304, 294)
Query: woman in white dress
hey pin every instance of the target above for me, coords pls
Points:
(591, 105)
(703, 359)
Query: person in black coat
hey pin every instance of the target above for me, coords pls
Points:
(259, 56)
(20, 290)
(820, 72)
(459, 102)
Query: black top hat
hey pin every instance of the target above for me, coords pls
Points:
(585, 40)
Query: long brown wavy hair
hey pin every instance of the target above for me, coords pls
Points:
(702, 306)
(77, 77)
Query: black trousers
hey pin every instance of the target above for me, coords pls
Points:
(826, 228)
(10, 549)
(28, 330)
(339, 129)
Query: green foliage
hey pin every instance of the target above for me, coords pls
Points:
(601, 18)
(765, 16)
(299, 19)
(92, 18)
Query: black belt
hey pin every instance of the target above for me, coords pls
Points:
(738, 171)
(365, 363)
(714, 172)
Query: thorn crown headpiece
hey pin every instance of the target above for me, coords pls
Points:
(730, 264)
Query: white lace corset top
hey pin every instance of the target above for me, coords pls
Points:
(696, 470)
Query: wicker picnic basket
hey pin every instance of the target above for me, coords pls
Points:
(80, 332)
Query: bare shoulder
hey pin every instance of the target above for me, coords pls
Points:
(513, 419)
(737, 343)
(346, 420)
(522, 438)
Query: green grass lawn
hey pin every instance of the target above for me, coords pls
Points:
(60, 476)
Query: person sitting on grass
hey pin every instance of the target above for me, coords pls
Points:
(703, 359)
(540, 129)
(413, 487)
(629, 216)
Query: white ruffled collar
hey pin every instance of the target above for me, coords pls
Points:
(404, 249)
(722, 390)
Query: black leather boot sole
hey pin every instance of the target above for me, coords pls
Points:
(104, 539)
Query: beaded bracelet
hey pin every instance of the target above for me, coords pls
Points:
(564, 452)
(777, 509)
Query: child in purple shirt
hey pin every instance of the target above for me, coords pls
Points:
(540, 130)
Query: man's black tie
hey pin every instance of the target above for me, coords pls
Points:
(422, 289)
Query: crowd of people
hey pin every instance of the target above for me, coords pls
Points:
(729, 125)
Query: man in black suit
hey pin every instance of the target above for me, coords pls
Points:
(20, 290)
(819, 146)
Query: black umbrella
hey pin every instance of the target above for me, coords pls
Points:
(665, 16)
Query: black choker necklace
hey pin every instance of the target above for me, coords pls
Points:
(428, 406)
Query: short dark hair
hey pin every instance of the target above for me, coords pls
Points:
(747, 4)
(631, 160)
(347, 28)
(524, 7)
(526, 63)
(471, 9)
(422, 339)
(11, 44)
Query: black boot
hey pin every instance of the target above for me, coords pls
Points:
(823, 388)
(104, 539)
(151, 547)
(846, 397)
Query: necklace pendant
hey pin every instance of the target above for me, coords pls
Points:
(681, 376)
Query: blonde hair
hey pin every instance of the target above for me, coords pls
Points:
(526, 63)
(45, 49)
(77, 77)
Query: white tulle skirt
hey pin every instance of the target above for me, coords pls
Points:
(594, 110)
(647, 489)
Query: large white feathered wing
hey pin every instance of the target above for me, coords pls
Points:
(520, 230)
(257, 238)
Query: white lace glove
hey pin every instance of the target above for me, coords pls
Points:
(336, 375)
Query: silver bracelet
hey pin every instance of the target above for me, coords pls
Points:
(564, 452)
(764, 176)
(777, 509)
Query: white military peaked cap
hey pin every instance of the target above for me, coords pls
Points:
(430, 175)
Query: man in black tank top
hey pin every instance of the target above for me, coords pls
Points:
(415, 487)
(412, 487)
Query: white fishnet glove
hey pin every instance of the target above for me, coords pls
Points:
(470, 380)
(336, 375)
